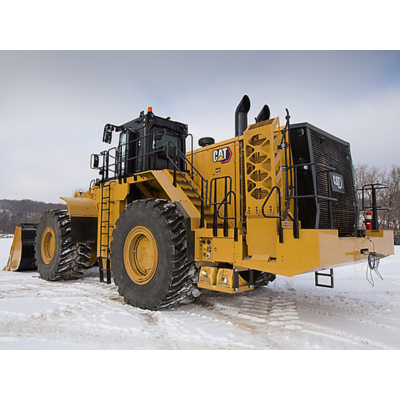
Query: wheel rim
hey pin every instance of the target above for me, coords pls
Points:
(140, 255)
(48, 245)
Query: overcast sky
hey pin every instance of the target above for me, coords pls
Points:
(54, 104)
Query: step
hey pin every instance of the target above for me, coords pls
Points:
(196, 201)
(181, 180)
(185, 186)
(190, 192)
(208, 211)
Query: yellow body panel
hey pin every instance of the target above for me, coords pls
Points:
(219, 249)
(318, 249)
(80, 207)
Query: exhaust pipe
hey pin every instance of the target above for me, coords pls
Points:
(241, 115)
(264, 114)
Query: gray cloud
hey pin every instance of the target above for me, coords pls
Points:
(54, 104)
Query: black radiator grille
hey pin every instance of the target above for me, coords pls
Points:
(320, 147)
(336, 154)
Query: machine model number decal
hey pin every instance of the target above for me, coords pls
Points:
(223, 155)
(337, 182)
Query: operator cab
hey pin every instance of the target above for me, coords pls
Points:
(148, 142)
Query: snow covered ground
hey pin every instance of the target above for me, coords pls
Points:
(291, 314)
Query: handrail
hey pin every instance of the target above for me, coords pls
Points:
(106, 167)
(202, 196)
(119, 160)
(288, 159)
(279, 216)
(375, 208)
(193, 168)
(226, 218)
(217, 204)
(296, 197)
(191, 152)
(226, 178)
(313, 164)
(116, 166)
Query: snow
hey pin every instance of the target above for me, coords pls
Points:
(290, 313)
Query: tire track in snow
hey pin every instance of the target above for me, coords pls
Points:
(281, 314)
(277, 312)
(205, 328)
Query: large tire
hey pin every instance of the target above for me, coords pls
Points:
(57, 258)
(148, 256)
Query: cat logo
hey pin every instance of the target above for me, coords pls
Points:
(223, 155)
(337, 182)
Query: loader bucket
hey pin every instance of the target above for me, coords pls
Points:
(22, 253)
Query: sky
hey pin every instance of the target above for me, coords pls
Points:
(54, 104)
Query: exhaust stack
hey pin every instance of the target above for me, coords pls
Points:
(241, 115)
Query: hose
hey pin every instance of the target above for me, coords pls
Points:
(374, 259)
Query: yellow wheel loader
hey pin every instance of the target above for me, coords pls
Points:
(166, 222)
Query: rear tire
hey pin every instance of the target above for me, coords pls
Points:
(57, 258)
(148, 256)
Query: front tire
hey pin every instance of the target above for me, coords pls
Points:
(148, 256)
(57, 258)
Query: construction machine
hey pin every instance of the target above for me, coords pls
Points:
(167, 222)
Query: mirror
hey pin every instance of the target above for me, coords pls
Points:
(94, 161)
(107, 135)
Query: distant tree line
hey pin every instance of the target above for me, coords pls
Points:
(14, 212)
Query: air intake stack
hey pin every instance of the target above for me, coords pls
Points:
(264, 114)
